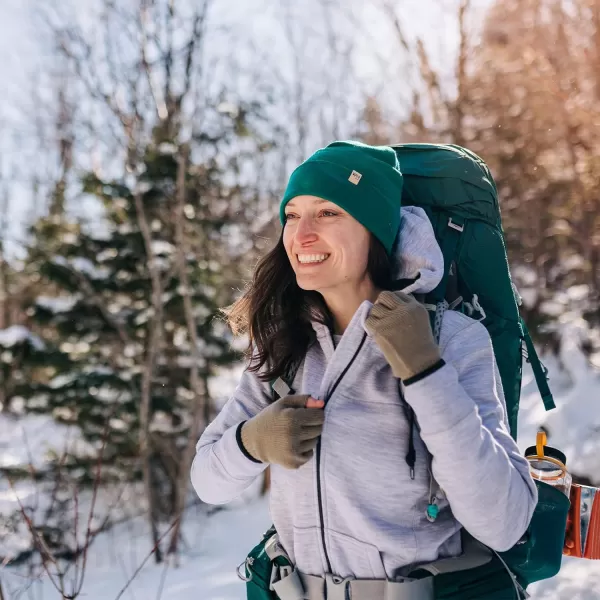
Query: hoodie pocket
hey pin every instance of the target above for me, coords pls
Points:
(351, 557)
(307, 551)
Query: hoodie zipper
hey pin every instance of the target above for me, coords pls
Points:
(319, 491)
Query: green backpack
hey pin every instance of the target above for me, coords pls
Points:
(457, 191)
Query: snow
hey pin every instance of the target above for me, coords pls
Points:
(552, 308)
(57, 305)
(61, 381)
(166, 148)
(218, 543)
(578, 580)
(17, 334)
(575, 423)
(67, 378)
(573, 428)
(215, 545)
(143, 187)
(83, 265)
(162, 247)
(579, 292)
(223, 384)
(30, 440)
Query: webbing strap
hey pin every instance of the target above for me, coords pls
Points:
(282, 385)
(540, 373)
(290, 587)
(474, 554)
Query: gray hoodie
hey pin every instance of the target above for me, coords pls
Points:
(357, 508)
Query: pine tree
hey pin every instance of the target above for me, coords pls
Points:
(101, 315)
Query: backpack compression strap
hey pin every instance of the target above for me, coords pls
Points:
(540, 372)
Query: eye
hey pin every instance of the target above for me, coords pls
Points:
(289, 216)
(329, 213)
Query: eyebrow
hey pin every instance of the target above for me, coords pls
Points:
(318, 201)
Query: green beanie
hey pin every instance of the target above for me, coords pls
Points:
(363, 180)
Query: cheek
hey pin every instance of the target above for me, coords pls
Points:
(355, 258)
(358, 265)
(357, 252)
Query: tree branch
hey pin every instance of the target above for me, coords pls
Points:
(196, 36)
(153, 551)
(154, 344)
(199, 395)
(159, 104)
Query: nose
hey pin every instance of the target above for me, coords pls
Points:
(305, 230)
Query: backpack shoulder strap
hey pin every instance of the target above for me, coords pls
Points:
(436, 315)
(282, 385)
(449, 245)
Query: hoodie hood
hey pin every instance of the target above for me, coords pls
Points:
(417, 254)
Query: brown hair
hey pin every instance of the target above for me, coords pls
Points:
(276, 313)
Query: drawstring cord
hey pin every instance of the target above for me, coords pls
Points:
(411, 456)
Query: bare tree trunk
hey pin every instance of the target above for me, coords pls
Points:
(4, 205)
(4, 317)
(595, 10)
(152, 351)
(457, 133)
(298, 97)
(198, 389)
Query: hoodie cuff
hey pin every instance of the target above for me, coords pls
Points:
(234, 461)
(429, 371)
(238, 437)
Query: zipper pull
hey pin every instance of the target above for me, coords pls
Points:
(433, 510)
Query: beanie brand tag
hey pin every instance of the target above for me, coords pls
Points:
(355, 177)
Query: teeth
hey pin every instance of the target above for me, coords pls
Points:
(312, 258)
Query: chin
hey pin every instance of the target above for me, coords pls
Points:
(310, 284)
(307, 286)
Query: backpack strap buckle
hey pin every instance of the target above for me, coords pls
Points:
(456, 226)
(280, 387)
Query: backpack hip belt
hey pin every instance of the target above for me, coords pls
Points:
(291, 584)
(299, 586)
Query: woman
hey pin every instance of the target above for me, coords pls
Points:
(347, 498)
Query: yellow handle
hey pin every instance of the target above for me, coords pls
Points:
(540, 442)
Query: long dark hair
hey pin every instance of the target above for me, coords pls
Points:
(276, 313)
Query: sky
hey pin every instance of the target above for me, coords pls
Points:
(17, 61)
(22, 61)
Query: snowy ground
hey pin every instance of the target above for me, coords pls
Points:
(571, 428)
(215, 545)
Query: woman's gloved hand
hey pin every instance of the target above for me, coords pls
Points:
(285, 432)
(400, 326)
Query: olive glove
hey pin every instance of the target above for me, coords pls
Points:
(400, 326)
(285, 432)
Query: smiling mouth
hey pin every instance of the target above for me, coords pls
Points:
(311, 259)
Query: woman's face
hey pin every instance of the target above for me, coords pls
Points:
(327, 248)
